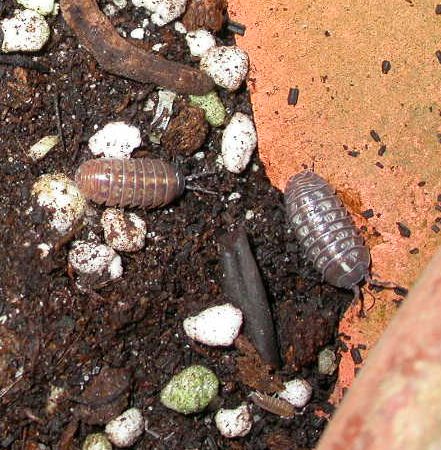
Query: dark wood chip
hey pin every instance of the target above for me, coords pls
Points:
(368, 213)
(438, 9)
(414, 251)
(435, 228)
(293, 96)
(356, 356)
(382, 150)
(375, 136)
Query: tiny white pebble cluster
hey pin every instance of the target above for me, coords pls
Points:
(298, 392)
(126, 428)
(238, 142)
(233, 423)
(60, 196)
(216, 326)
(163, 11)
(44, 7)
(199, 42)
(26, 31)
(123, 232)
(115, 140)
(137, 33)
(227, 66)
(91, 258)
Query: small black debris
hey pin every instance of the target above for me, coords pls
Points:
(438, 55)
(398, 302)
(375, 136)
(327, 33)
(382, 150)
(361, 346)
(421, 183)
(438, 198)
(438, 9)
(368, 213)
(353, 153)
(414, 251)
(293, 96)
(378, 164)
(385, 66)
(404, 231)
(236, 28)
(356, 356)
(435, 228)
(399, 290)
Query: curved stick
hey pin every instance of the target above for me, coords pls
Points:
(120, 57)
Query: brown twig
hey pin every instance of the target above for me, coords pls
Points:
(120, 57)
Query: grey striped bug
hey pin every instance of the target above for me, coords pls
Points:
(148, 183)
(326, 232)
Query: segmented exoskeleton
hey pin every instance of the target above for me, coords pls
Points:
(326, 232)
(148, 183)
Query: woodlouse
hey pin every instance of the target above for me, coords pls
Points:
(273, 405)
(144, 182)
(326, 233)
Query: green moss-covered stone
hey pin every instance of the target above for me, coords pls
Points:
(212, 105)
(191, 390)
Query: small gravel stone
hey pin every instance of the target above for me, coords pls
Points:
(60, 196)
(26, 31)
(125, 430)
(238, 143)
(115, 140)
(123, 232)
(199, 42)
(91, 258)
(298, 392)
(216, 326)
(191, 390)
(96, 441)
(41, 148)
(327, 362)
(137, 33)
(43, 7)
(163, 11)
(234, 422)
(227, 66)
(212, 105)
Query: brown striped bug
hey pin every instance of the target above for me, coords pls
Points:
(148, 183)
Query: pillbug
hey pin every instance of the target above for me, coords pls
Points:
(144, 182)
(326, 233)
(273, 405)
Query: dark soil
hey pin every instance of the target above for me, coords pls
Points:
(56, 336)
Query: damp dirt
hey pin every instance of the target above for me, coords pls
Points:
(57, 340)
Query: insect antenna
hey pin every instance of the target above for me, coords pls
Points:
(200, 189)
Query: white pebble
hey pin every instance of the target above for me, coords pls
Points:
(238, 142)
(180, 27)
(298, 392)
(234, 422)
(199, 156)
(60, 196)
(41, 148)
(234, 196)
(126, 428)
(120, 4)
(44, 250)
(91, 258)
(115, 140)
(228, 66)
(137, 33)
(249, 215)
(44, 7)
(199, 42)
(216, 326)
(26, 31)
(163, 11)
(96, 441)
(157, 47)
(123, 232)
(109, 10)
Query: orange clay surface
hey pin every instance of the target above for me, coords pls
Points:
(333, 52)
